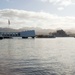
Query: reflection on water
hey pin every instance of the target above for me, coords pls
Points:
(37, 56)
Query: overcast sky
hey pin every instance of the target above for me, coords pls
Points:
(38, 13)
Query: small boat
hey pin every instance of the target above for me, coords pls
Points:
(45, 36)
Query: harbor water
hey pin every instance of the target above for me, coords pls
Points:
(52, 56)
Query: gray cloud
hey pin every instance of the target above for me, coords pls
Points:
(22, 18)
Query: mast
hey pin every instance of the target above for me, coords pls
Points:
(8, 22)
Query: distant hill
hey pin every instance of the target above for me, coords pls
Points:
(8, 30)
(38, 31)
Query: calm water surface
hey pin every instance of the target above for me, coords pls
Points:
(55, 56)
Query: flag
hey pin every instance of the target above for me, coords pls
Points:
(8, 22)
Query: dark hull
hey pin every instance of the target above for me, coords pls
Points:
(46, 37)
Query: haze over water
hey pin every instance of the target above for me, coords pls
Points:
(55, 56)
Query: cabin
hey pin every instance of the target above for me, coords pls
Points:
(26, 34)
